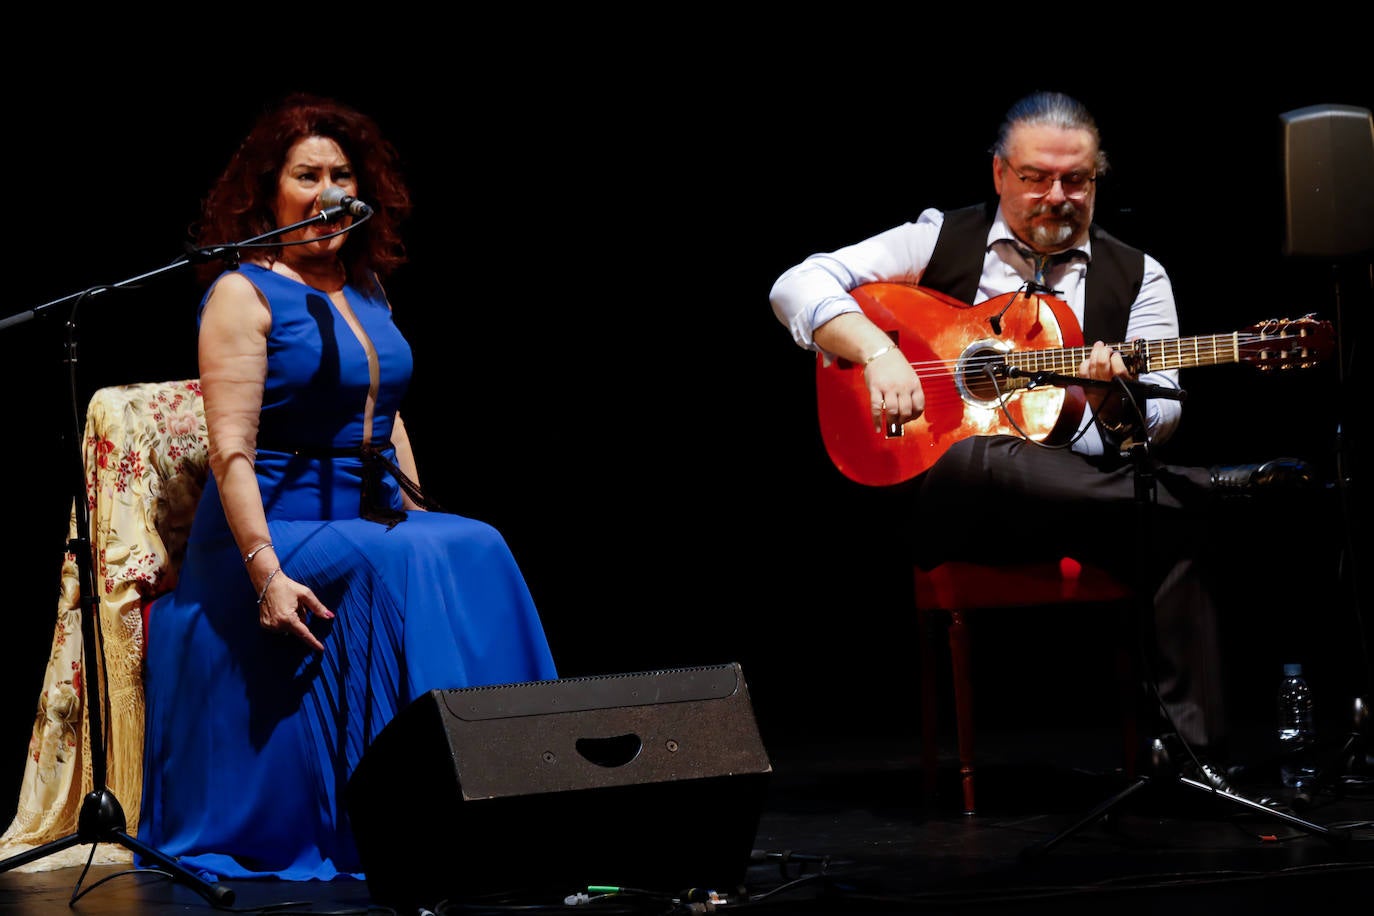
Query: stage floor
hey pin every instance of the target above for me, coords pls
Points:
(845, 829)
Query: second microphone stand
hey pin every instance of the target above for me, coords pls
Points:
(1146, 494)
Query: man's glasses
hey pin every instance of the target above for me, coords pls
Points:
(1075, 184)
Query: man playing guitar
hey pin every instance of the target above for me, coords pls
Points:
(931, 340)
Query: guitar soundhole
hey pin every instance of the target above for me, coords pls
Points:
(982, 373)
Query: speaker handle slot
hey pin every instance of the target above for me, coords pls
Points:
(615, 751)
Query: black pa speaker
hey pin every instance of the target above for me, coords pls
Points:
(653, 780)
(1328, 154)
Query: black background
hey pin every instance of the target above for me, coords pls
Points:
(599, 373)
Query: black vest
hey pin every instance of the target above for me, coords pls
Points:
(1114, 274)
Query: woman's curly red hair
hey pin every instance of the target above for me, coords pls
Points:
(238, 206)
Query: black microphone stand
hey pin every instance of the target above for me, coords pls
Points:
(101, 818)
(1137, 445)
(1352, 761)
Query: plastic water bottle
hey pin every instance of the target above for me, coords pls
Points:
(1297, 729)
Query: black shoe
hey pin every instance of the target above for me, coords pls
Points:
(1276, 474)
(1215, 777)
(1206, 772)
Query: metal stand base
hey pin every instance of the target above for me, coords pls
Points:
(1159, 758)
(102, 821)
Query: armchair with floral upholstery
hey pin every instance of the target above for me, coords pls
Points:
(145, 453)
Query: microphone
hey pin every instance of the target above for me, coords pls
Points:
(333, 197)
(996, 320)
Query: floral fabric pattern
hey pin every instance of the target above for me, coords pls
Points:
(145, 453)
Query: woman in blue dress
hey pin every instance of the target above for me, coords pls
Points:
(318, 594)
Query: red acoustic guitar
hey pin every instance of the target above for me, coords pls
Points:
(980, 381)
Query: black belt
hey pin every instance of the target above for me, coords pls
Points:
(370, 504)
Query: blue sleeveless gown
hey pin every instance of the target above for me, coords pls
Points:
(251, 737)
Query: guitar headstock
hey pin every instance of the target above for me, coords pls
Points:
(1286, 343)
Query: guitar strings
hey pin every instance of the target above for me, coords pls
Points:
(1206, 350)
(1219, 348)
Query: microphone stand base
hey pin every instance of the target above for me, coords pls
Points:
(101, 820)
(1160, 759)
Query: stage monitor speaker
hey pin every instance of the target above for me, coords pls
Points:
(652, 780)
(1328, 153)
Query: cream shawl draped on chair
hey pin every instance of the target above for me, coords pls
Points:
(146, 464)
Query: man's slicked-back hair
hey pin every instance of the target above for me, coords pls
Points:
(1049, 109)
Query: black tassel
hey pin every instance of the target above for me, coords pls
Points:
(371, 507)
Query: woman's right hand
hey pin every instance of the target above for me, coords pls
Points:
(285, 608)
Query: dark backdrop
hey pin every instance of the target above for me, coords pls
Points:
(598, 370)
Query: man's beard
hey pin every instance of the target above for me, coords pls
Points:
(1063, 230)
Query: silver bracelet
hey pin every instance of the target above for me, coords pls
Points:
(882, 352)
(248, 557)
(266, 582)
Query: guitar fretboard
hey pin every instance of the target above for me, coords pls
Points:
(1178, 353)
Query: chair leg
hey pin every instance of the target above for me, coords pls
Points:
(925, 624)
(962, 667)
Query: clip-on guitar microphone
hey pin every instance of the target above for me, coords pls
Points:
(1030, 286)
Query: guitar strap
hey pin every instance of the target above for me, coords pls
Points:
(1114, 274)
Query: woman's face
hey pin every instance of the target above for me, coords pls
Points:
(312, 164)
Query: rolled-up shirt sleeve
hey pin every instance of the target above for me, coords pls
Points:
(813, 292)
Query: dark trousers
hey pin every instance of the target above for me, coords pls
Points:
(1004, 499)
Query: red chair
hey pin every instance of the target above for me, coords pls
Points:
(957, 588)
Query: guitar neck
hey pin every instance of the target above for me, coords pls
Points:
(1141, 355)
